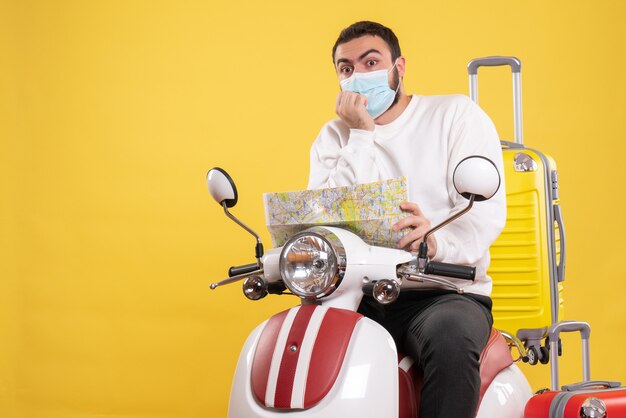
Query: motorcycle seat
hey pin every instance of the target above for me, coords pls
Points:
(495, 357)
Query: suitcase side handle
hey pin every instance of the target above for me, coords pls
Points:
(558, 218)
(553, 339)
(516, 69)
(560, 268)
(606, 384)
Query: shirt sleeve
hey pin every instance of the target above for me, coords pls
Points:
(342, 158)
(467, 239)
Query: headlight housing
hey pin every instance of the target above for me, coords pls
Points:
(312, 263)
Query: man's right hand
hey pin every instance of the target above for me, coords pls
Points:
(351, 108)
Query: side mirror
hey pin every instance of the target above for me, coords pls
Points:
(476, 176)
(222, 187)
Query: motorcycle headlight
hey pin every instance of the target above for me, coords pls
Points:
(312, 263)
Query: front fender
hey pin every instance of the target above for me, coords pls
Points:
(366, 384)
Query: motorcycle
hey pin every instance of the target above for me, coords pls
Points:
(322, 358)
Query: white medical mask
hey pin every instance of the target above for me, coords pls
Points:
(375, 86)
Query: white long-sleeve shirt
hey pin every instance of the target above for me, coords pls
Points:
(424, 144)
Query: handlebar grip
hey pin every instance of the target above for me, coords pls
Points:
(451, 270)
(246, 268)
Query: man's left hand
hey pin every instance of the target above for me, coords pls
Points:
(420, 225)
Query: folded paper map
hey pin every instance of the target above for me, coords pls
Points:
(369, 210)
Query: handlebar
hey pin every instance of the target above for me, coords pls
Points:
(244, 269)
(451, 270)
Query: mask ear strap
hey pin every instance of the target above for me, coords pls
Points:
(399, 79)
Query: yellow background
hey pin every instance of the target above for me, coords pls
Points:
(111, 112)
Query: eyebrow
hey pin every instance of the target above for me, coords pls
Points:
(363, 55)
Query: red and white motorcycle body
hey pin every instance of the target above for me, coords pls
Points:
(324, 360)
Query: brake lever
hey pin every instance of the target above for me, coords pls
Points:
(236, 278)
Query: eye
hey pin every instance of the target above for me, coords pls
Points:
(371, 63)
(345, 70)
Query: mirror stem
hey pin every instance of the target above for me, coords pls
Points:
(259, 246)
(423, 250)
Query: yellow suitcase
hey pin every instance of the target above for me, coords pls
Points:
(528, 259)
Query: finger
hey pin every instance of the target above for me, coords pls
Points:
(344, 103)
(356, 100)
(348, 102)
(409, 221)
(415, 245)
(412, 238)
(407, 240)
(362, 101)
(411, 207)
(338, 101)
(432, 245)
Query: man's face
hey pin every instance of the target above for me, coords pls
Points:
(365, 54)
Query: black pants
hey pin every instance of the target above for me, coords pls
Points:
(444, 333)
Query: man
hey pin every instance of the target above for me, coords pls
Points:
(383, 133)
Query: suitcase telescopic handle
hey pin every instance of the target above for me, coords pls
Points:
(553, 338)
(516, 69)
(495, 61)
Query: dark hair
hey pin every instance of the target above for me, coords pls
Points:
(365, 27)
